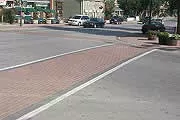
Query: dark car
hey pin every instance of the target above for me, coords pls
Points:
(41, 21)
(94, 23)
(145, 20)
(116, 20)
(28, 21)
(53, 20)
(153, 26)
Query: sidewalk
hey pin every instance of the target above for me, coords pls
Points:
(8, 27)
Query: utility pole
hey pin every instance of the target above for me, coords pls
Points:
(150, 12)
(20, 2)
(56, 10)
(2, 16)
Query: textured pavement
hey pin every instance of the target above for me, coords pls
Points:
(145, 89)
(22, 87)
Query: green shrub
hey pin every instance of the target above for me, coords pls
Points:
(163, 38)
(152, 35)
(176, 36)
(9, 15)
(152, 32)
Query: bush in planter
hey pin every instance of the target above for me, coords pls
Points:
(163, 38)
(173, 39)
(152, 35)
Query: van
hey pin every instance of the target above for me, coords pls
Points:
(78, 20)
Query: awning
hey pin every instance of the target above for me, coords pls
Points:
(30, 10)
(40, 9)
(49, 11)
(25, 9)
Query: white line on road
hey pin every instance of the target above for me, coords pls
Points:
(43, 59)
(71, 92)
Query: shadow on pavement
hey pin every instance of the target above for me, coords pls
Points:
(123, 28)
(104, 32)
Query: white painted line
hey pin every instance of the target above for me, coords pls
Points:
(62, 97)
(43, 59)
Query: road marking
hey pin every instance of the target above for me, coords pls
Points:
(73, 91)
(48, 58)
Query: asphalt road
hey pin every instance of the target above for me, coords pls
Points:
(18, 47)
(146, 89)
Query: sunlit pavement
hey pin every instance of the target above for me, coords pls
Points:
(25, 88)
(145, 89)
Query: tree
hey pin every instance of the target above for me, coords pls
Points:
(9, 15)
(175, 4)
(109, 8)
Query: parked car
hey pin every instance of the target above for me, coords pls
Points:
(153, 26)
(41, 21)
(146, 19)
(28, 21)
(116, 20)
(78, 20)
(158, 20)
(53, 20)
(94, 23)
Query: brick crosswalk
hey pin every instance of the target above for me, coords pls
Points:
(27, 85)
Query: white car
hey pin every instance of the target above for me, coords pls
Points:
(78, 20)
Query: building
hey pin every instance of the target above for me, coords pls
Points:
(58, 8)
(67, 8)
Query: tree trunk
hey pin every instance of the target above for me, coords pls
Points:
(178, 21)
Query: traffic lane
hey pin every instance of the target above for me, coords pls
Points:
(19, 48)
(144, 89)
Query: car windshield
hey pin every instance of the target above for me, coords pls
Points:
(76, 17)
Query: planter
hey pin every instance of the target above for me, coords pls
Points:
(172, 41)
(152, 37)
(163, 41)
(163, 38)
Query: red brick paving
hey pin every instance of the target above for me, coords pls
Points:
(24, 86)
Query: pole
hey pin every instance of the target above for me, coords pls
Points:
(20, 13)
(150, 12)
(2, 20)
(56, 10)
